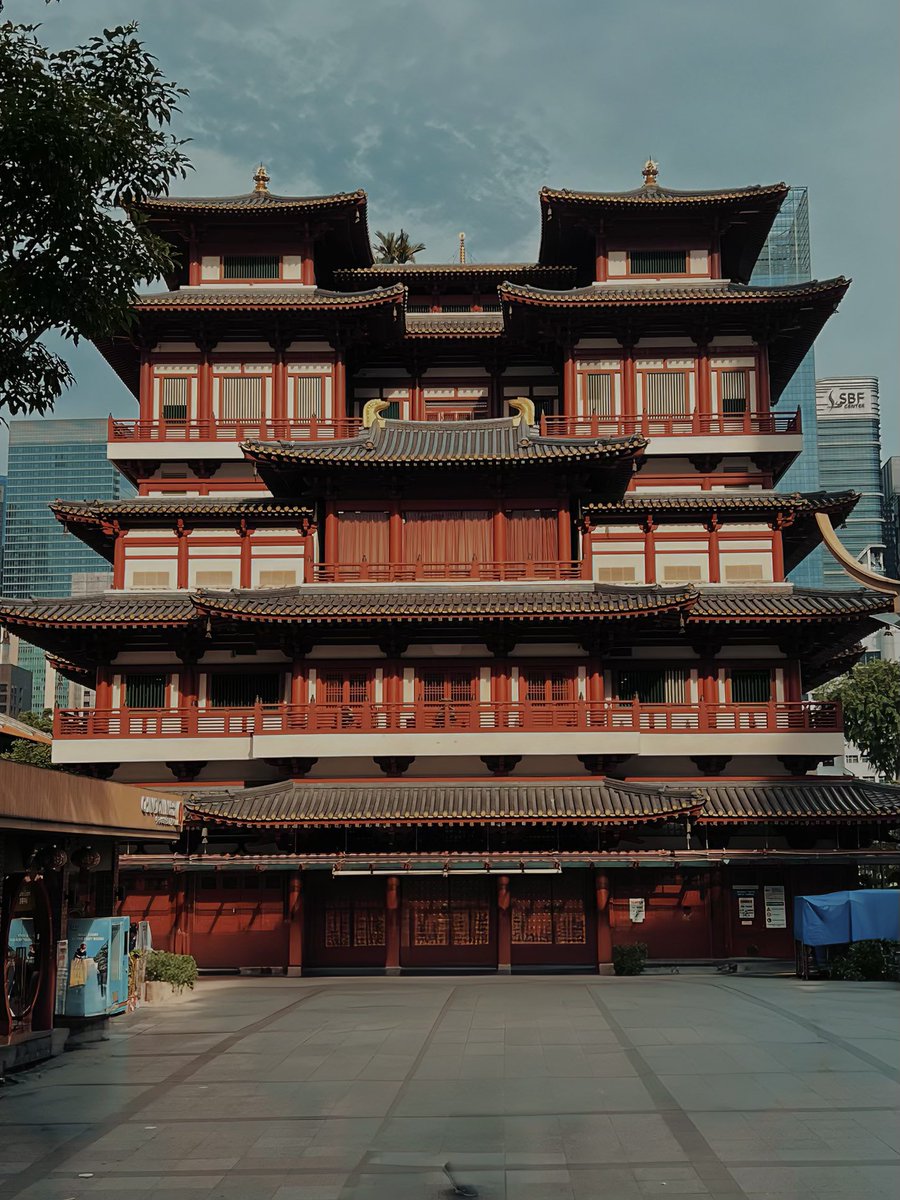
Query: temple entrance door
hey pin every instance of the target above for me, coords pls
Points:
(345, 921)
(553, 920)
(674, 919)
(446, 922)
(238, 920)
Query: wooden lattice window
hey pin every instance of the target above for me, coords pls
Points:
(665, 393)
(751, 686)
(251, 266)
(658, 262)
(451, 686)
(733, 385)
(240, 398)
(544, 685)
(175, 396)
(598, 393)
(549, 912)
(652, 686)
(339, 687)
(239, 689)
(145, 691)
(309, 397)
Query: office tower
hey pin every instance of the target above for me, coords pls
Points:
(785, 258)
(890, 485)
(849, 429)
(49, 458)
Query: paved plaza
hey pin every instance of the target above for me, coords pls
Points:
(571, 1087)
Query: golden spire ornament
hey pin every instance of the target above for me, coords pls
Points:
(261, 179)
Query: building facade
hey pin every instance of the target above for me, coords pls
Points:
(849, 428)
(454, 597)
(48, 458)
(786, 258)
(890, 487)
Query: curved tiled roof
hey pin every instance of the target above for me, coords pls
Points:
(607, 801)
(477, 324)
(424, 803)
(740, 503)
(655, 194)
(255, 201)
(430, 603)
(102, 609)
(822, 798)
(462, 443)
(158, 507)
(467, 270)
(671, 292)
(796, 604)
(259, 296)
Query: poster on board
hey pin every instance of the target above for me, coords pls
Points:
(637, 909)
(776, 913)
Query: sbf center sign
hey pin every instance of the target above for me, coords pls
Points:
(846, 398)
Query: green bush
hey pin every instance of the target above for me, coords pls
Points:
(869, 960)
(178, 969)
(629, 960)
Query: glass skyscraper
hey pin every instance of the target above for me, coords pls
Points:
(50, 458)
(785, 258)
(850, 457)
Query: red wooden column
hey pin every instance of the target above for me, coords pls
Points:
(307, 262)
(720, 898)
(604, 931)
(331, 533)
(181, 933)
(649, 551)
(499, 532)
(763, 391)
(629, 393)
(103, 690)
(570, 382)
(205, 390)
(504, 926)
(777, 551)
(279, 390)
(595, 681)
(395, 532)
(340, 385)
(145, 405)
(181, 562)
(392, 926)
(714, 565)
(299, 681)
(294, 916)
(565, 533)
(245, 567)
(601, 273)
(118, 560)
(195, 266)
(704, 389)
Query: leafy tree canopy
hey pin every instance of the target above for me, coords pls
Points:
(82, 132)
(870, 696)
(395, 247)
(33, 754)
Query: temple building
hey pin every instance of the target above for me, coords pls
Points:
(453, 597)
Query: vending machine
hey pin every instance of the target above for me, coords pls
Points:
(96, 980)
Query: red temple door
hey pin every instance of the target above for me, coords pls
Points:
(553, 920)
(238, 920)
(446, 922)
(345, 921)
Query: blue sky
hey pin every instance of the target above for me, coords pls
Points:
(453, 113)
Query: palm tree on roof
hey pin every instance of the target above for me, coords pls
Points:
(396, 247)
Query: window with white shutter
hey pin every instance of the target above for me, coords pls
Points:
(597, 393)
(175, 395)
(734, 392)
(657, 262)
(665, 393)
(251, 266)
(241, 398)
(652, 686)
(309, 397)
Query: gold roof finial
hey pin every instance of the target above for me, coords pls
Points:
(650, 172)
(261, 179)
(462, 247)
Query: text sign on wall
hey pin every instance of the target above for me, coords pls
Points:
(852, 398)
(776, 913)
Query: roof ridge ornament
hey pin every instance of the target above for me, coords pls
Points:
(524, 407)
(261, 179)
(372, 410)
(650, 173)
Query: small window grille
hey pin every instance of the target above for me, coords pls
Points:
(742, 572)
(545, 687)
(145, 691)
(491, 306)
(251, 266)
(439, 686)
(309, 397)
(658, 262)
(276, 579)
(175, 392)
(751, 687)
(597, 394)
(151, 581)
(214, 579)
(615, 574)
(241, 398)
(338, 688)
(683, 573)
(665, 393)
(418, 308)
(456, 308)
(240, 690)
(652, 687)
(734, 392)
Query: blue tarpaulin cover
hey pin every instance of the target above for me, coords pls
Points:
(839, 917)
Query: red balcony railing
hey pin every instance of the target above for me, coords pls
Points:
(366, 572)
(449, 717)
(312, 430)
(321, 430)
(693, 425)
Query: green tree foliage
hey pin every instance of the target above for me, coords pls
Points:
(33, 754)
(82, 132)
(870, 696)
(396, 247)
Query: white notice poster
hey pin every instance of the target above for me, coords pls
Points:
(776, 914)
(746, 907)
(636, 910)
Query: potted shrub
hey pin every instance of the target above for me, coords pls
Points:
(170, 977)
(629, 960)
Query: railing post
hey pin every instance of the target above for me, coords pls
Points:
(635, 713)
(702, 716)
